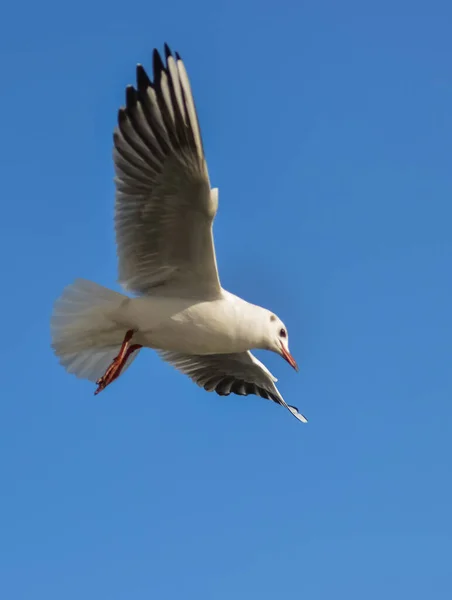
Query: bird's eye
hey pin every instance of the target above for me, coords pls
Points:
(283, 333)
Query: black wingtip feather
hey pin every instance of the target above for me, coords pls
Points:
(157, 64)
(122, 115)
(131, 97)
(178, 56)
(143, 81)
(168, 52)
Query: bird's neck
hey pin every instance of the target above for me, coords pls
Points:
(251, 322)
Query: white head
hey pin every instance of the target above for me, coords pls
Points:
(278, 339)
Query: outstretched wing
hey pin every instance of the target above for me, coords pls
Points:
(240, 373)
(164, 205)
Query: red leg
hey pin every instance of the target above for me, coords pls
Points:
(130, 350)
(114, 370)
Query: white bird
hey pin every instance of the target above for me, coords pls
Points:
(164, 212)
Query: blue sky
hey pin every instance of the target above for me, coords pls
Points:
(328, 130)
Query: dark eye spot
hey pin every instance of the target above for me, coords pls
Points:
(283, 333)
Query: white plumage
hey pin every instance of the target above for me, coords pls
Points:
(164, 212)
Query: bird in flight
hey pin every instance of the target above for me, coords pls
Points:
(164, 212)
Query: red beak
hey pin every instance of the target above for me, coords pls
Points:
(288, 356)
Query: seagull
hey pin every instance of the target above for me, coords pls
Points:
(164, 212)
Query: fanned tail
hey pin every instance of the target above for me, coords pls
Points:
(84, 336)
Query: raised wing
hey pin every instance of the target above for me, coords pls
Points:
(225, 374)
(164, 205)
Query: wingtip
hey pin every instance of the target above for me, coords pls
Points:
(168, 52)
(122, 115)
(297, 414)
(143, 81)
(131, 96)
(157, 62)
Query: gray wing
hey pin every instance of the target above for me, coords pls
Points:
(225, 374)
(164, 205)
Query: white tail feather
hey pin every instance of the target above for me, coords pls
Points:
(85, 338)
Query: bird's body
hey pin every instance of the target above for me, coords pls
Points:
(227, 324)
(164, 213)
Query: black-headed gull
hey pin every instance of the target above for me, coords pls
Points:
(164, 213)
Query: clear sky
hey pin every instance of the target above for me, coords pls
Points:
(328, 129)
